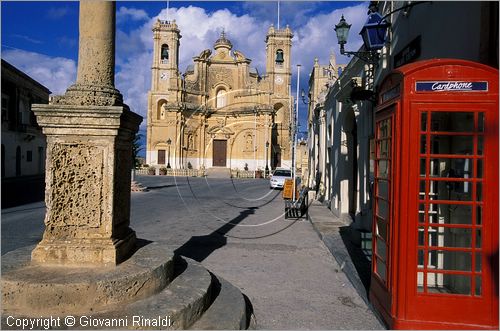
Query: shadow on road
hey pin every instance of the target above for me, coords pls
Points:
(161, 186)
(199, 248)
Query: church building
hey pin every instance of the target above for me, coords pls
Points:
(220, 112)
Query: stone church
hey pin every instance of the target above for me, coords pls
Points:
(220, 112)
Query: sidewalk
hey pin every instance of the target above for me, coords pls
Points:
(336, 235)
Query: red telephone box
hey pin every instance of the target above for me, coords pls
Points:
(435, 224)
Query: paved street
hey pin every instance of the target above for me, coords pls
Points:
(236, 229)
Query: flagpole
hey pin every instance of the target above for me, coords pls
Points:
(278, 15)
(168, 7)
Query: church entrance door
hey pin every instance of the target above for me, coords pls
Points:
(219, 153)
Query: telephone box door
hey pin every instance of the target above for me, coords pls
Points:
(452, 278)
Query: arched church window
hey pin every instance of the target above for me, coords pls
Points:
(221, 99)
(164, 53)
(279, 57)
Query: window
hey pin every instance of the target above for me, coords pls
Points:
(450, 228)
(29, 156)
(18, 161)
(5, 107)
(164, 53)
(279, 57)
(221, 99)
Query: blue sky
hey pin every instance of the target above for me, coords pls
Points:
(41, 37)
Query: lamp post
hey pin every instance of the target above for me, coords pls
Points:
(267, 164)
(373, 33)
(169, 142)
(295, 121)
(303, 96)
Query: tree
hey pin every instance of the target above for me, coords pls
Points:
(136, 148)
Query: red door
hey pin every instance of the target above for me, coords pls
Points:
(161, 156)
(219, 153)
(382, 213)
(450, 272)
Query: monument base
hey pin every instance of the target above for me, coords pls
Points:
(33, 289)
(84, 251)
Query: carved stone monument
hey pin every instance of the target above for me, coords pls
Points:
(89, 139)
(84, 264)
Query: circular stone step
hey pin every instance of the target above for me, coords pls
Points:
(34, 290)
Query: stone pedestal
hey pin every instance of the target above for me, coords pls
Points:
(87, 183)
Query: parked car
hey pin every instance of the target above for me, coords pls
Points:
(277, 178)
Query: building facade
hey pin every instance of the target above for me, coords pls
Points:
(341, 127)
(23, 144)
(349, 130)
(220, 112)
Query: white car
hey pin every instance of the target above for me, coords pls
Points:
(277, 179)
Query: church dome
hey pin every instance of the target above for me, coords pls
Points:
(223, 42)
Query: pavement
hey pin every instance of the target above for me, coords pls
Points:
(294, 272)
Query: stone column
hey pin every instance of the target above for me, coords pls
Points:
(96, 57)
(89, 149)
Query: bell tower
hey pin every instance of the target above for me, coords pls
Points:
(278, 61)
(165, 95)
(165, 69)
(279, 73)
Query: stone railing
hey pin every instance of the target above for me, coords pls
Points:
(173, 172)
(141, 171)
(235, 173)
(185, 172)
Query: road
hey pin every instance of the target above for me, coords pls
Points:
(237, 230)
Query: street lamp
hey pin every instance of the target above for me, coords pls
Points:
(267, 164)
(373, 34)
(303, 96)
(168, 160)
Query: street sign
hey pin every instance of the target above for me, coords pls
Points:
(288, 189)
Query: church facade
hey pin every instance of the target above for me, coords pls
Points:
(220, 112)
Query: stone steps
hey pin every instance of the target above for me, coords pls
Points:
(183, 301)
(219, 173)
(194, 299)
(227, 312)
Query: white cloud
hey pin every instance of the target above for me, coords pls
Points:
(317, 37)
(55, 73)
(31, 40)
(133, 14)
(56, 13)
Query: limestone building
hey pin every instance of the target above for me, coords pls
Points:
(23, 143)
(220, 112)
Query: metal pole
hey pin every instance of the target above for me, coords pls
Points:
(168, 7)
(278, 15)
(295, 119)
(254, 146)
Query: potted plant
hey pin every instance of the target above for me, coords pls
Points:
(151, 170)
(163, 171)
